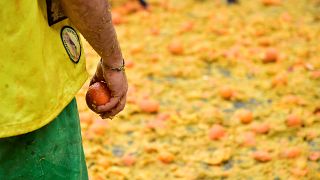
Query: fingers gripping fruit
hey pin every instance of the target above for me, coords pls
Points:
(98, 94)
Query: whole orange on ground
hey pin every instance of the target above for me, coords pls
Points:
(217, 132)
(226, 92)
(149, 105)
(166, 157)
(262, 156)
(293, 121)
(176, 47)
(245, 116)
(271, 55)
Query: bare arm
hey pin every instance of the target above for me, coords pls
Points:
(93, 19)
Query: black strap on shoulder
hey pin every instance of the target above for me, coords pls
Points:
(54, 12)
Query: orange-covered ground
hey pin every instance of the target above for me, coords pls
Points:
(216, 92)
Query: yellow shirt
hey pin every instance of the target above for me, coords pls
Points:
(41, 67)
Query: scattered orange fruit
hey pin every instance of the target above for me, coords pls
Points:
(245, 116)
(291, 99)
(271, 55)
(299, 172)
(262, 128)
(262, 156)
(85, 117)
(280, 80)
(149, 105)
(186, 27)
(154, 124)
(226, 93)
(166, 157)
(314, 156)
(291, 153)
(128, 160)
(117, 18)
(150, 148)
(176, 47)
(98, 127)
(271, 2)
(286, 17)
(315, 74)
(104, 162)
(217, 132)
(136, 49)
(155, 31)
(129, 63)
(293, 121)
(249, 139)
(163, 116)
(131, 7)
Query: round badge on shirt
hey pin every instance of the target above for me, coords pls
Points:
(71, 43)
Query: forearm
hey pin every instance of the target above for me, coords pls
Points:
(93, 19)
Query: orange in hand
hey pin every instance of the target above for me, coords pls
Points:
(98, 94)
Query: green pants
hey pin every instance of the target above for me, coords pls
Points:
(52, 152)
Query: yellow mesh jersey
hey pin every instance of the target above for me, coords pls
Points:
(41, 67)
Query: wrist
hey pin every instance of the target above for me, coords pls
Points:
(114, 67)
(112, 61)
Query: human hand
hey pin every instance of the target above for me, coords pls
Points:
(117, 85)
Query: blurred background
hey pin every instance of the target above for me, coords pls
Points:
(216, 91)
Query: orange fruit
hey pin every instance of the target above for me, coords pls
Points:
(150, 148)
(245, 116)
(293, 121)
(98, 94)
(226, 93)
(299, 172)
(166, 157)
(98, 127)
(85, 117)
(136, 49)
(262, 156)
(104, 162)
(262, 128)
(291, 153)
(155, 31)
(249, 139)
(271, 55)
(117, 18)
(186, 27)
(217, 132)
(149, 105)
(315, 74)
(314, 156)
(280, 80)
(163, 117)
(131, 7)
(291, 99)
(286, 17)
(265, 42)
(271, 2)
(128, 160)
(154, 124)
(175, 48)
(129, 63)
